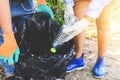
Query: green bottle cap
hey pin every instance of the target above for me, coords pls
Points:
(53, 50)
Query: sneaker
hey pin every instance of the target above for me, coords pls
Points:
(99, 68)
(75, 64)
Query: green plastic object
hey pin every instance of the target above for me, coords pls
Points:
(53, 50)
(46, 9)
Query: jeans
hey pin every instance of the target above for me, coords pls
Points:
(19, 12)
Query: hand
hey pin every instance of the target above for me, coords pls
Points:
(44, 8)
(69, 15)
(9, 51)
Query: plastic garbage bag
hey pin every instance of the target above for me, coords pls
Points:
(35, 40)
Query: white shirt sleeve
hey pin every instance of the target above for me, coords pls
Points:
(95, 7)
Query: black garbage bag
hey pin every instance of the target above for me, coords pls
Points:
(36, 61)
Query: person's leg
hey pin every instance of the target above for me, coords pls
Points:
(103, 31)
(78, 61)
(79, 11)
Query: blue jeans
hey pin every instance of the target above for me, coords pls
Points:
(19, 12)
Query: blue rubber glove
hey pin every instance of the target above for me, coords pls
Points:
(44, 8)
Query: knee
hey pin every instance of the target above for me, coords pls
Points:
(80, 8)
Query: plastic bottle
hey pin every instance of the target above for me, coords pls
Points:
(60, 38)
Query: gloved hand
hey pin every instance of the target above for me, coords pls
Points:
(44, 8)
(9, 51)
(69, 15)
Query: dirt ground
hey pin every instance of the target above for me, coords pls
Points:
(112, 60)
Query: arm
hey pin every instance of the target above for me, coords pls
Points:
(69, 12)
(9, 51)
(5, 17)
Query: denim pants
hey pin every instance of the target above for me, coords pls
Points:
(19, 12)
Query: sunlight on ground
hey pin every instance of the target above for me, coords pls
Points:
(115, 26)
(117, 52)
(114, 48)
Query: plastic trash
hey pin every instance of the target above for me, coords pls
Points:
(35, 40)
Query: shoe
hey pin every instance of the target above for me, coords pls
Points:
(99, 68)
(75, 64)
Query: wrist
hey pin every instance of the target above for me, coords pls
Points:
(41, 2)
(7, 31)
(10, 35)
(69, 10)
